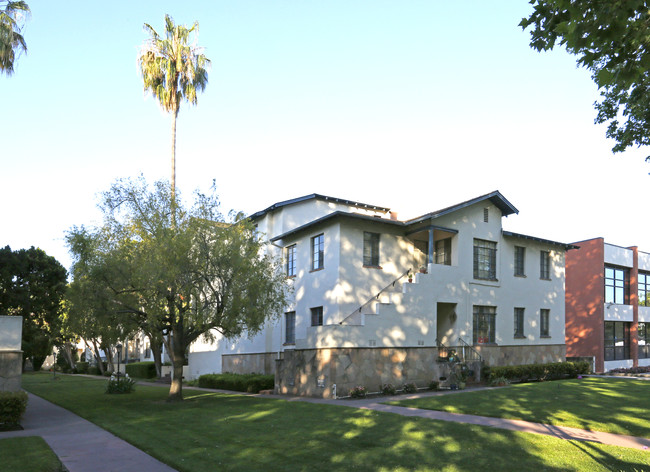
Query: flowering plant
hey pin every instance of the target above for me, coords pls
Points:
(358, 392)
(388, 389)
(409, 388)
(124, 385)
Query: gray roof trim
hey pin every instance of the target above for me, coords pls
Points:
(316, 196)
(428, 227)
(331, 216)
(567, 247)
(495, 198)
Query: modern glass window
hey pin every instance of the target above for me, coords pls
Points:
(643, 332)
(520, 261)
(317, 251)
(484, 324)
(290, 327)
(485, 259)
(617, 340)
(370, 249)
(442, 251)
(290, 254)
(544, 265)
(544, 320)
(519, 322)
(644, 289)
(317, 316)
(616, 285)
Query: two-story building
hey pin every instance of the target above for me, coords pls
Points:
(608, 305)
(378, 300)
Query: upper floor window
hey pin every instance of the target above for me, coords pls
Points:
(644, 289)
(317, 251)
(616, 285)
(290, 327)
(544, 320)
(519, 322)
(485, 259)
(370, 249)
(442, 251)
(317, 316)
(290, 254)
(520, 261)
(545, 265)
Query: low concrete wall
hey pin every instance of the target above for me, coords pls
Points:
(315, 372)
(261, 363)
(11, 363)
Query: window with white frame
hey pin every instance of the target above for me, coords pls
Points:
(290, 255)
(317, 252)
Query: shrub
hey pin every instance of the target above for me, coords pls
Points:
(434, 385)
(142, 370)
(251, 383)
(82, 367)
(539, 372)
(499, 382)
(409, 388)
(12, 409)
(388, 389)
(358, 392)
(124, 385)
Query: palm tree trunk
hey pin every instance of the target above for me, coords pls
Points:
(174, 115)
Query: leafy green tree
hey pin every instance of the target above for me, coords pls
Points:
(33, 285)
(612, 40)
(12, 17)
(187, 275)
(173, 71)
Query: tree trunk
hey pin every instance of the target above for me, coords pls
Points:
(156, 351)
(67, 352)
(98, 357)
(178, 359)
(173, 181)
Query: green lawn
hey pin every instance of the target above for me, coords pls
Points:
(28, 454)
(210, 431)
(619, 406)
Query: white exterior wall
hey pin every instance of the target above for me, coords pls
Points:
(618, 256)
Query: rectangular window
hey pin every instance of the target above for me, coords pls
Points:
(317, 316)
(617, 340)
(370, 249)
(519, 322)
(484, 324)
(485, 259)
(616, 285)
(290, 254)
(290, 327)
(317, 252)
(520, 261)
(644, 289)
(544, 319)
(643, 332)
(545, 265)
(442, 251)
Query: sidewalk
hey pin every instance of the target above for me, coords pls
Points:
(80, 445)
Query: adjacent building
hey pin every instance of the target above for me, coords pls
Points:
(608, 305)
(378, 300)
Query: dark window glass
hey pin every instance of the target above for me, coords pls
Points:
(371, 249)
(644, 340)
(442, 251)
(317, 316)
(485, 259)
(616, 285)
(617, 340)
(644, 289)
(519, 322)
(317, 252)
(544, 265)
(484, 324)
(520, 261)
(290, 327)
(544, 321)
(291, 260)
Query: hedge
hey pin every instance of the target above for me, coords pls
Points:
(251, 383)
(12, 409)
(142, 370)
(82, 367)
(540, 372)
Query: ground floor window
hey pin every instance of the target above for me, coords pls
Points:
(617, 340)
(484, 324)
(290, 327)
(317, 316)
(644, 340)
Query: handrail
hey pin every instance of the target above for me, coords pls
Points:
(475, 354)
(376, 297)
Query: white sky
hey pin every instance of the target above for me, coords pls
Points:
(412, 105)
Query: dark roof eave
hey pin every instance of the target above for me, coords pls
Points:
(567, 247)
(316, 196)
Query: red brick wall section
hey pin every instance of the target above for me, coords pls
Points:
(585, 297)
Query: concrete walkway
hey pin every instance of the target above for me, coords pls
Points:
(81, 445)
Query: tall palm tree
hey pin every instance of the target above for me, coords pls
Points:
(12, 17)
(173, 71)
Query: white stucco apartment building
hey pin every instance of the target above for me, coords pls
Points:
(357, 319)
